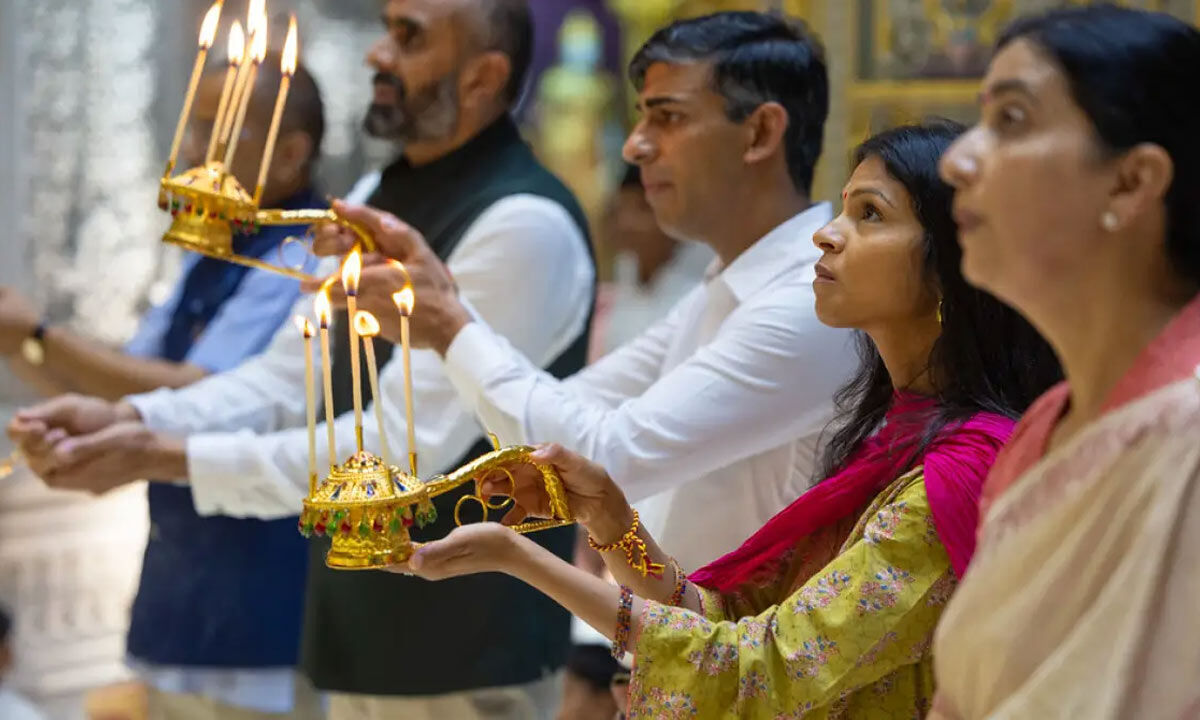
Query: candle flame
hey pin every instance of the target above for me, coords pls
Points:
(259, 40)
(352, 271)
(405, 300)
(237, 44)
(322, 308)
(365, 324)
(208, 29)
(288, 64)
(304, 326)
(257, 12)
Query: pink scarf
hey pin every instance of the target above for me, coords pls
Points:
(955, 465)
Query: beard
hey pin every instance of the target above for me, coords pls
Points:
(431, 114)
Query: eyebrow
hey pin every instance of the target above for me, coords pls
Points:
(1000, 87)
(659, 101)
(872, 191)
(407, 23)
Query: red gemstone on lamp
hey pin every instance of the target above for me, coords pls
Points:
(345, 528)
(319, 529)
(377, 526)
(407, 520)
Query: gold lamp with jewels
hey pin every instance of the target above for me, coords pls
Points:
(210, 208)
(365, 504)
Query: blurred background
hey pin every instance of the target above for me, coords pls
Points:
(89, 94)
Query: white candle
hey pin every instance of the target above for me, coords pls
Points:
(351, 270)
(287, 66)
(239, 49)
(368, 327)
(324, 314)
(258, 44)
(310, 406)
(208, 33)
(405, 301)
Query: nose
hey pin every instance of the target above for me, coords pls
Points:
(829, 239)
(638, 149)
(381, 56)
(959, 165)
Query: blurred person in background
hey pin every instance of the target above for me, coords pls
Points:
(215, 626)
(652, 270)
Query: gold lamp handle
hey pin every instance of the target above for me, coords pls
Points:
(311, 217)
(498, 460)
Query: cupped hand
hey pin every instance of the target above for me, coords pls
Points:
(470, 549)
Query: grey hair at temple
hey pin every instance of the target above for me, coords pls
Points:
(504, 26)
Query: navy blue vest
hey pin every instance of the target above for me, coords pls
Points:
(218, 591)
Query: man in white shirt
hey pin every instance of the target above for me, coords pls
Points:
(712, 417)
(448, 72)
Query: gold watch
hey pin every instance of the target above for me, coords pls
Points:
(33, 348)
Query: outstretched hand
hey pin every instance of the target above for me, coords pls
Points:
(470, 549)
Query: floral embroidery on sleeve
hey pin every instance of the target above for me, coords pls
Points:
(883, 525)
(714, 659)
(884, 590)
(872, 655)
(822, 592)
(940, 592)
(812, 655)
(658, 704)
(752, 685)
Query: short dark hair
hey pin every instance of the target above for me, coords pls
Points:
(506, 26)
(757, 58)
(1133, 73)
(988, 357)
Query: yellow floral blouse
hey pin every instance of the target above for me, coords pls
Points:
(840, 628)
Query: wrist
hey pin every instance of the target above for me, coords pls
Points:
(457, 318)
(125, 411)
(614, 520)
(168, 457)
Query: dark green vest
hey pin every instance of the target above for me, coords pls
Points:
(376, 633)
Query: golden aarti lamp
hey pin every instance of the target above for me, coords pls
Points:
(209, 206)
(366, 504)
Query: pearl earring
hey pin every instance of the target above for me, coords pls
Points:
(1109, 221)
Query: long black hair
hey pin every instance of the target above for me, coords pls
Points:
(988, 358)
(1133, 73)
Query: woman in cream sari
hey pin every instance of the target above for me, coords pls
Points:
(1078, 200)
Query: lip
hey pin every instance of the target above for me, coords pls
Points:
(967, 219)
(384, 94)
(655, 188)
(823, 274)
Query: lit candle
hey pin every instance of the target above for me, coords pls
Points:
(258, 42)
(287, 66)
(324, 315)
(351, 270)
(243, 68)
(405, 300)
(237, 48)
(208, 33)
(306, 329)
(367, 328)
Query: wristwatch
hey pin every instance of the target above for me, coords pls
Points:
(33, 349)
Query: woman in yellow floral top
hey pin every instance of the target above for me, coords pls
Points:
(828, 610)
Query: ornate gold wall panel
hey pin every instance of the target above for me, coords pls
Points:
(890, 61)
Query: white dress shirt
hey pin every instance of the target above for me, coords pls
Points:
(712, 416)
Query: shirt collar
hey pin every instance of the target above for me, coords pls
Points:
(783, 249)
